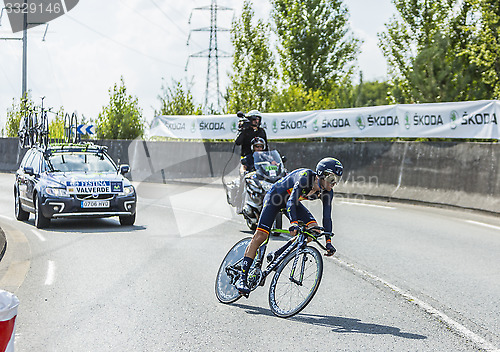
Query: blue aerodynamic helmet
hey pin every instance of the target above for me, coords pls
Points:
(330, 169)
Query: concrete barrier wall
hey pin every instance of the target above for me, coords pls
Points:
(459, 174)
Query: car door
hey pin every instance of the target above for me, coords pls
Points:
(22, 177)
(32, 180)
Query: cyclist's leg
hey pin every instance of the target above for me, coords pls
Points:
(266, 220)
(304, 215)
(263, 229)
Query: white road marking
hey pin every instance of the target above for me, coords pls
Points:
(368, 205)
(452, 324)
(483, 224)
(39, 235)
(50, 273)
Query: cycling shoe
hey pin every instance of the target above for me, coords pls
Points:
(242, 286)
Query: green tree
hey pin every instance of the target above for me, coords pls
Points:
(371, 93)
(442, 50)
(14, 114)
(432, 73)
(413, 32)
(298, 98)
(483, 47)
(122, 118)
(176, 100)
(254, 72)
(316, 45)
(56, 125)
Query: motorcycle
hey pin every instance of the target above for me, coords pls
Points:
(269, 168)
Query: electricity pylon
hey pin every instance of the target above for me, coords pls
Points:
(213, 53)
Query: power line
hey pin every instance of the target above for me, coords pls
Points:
(144, 17)
(173, 22)
(122, 44)
(53, 74)
(168, 17)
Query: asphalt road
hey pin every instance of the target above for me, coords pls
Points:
(405, 278)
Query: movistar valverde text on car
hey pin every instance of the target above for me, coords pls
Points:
(75, 187)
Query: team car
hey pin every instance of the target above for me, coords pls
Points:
(72, 181)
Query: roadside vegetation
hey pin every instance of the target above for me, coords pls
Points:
(305, 58)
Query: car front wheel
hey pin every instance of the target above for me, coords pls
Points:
(127, 220)
(21, 215)
(40, 220)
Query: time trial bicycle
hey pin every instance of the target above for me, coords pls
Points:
(298, 272)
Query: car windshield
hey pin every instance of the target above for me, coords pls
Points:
(80, 162)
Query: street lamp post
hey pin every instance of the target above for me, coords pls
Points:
(25, 50)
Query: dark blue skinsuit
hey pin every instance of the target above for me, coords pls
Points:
(287, 194)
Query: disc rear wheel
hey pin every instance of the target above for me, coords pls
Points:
(228, 273)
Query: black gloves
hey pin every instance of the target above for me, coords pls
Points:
(330, 249)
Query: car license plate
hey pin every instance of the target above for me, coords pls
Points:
(95, 204)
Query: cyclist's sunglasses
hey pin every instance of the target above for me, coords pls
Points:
(332, 178)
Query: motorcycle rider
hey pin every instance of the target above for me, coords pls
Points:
(248, 129)
(287, 193)
(247, 162)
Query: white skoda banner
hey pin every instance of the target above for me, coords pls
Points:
(476, 119)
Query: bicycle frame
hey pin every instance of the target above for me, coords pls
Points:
(299, 242)
(34, 126)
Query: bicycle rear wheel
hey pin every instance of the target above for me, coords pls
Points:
(224, 283)
(45, 130)
(294, 285)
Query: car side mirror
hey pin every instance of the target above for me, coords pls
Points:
(29, 170)
(283, 158)
(124, 169)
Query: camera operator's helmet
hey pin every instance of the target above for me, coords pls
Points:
(258, 142)
(254, 115)
(330, 169)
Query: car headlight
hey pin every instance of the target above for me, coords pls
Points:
(57, 192)
(128, 190)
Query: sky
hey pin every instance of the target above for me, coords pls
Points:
(87, 50)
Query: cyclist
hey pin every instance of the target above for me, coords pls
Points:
(248, 129)
(247, 162)
(287, 193)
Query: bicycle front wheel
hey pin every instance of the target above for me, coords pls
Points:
(295, 282)
(228, 274)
